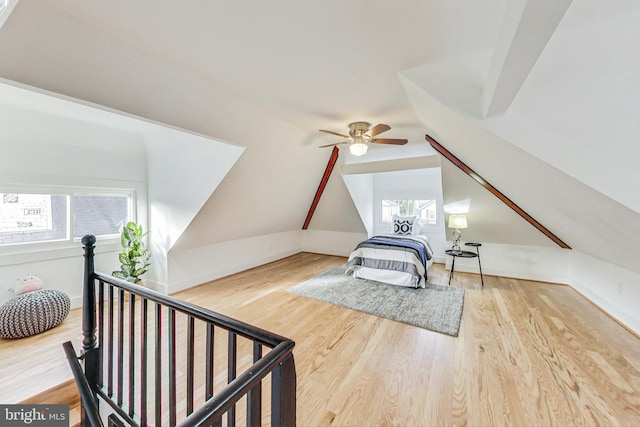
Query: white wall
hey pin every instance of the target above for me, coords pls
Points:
(614, 289)
(331, 242)
(361, 188)
(62, 270)
(202, 264)
(517, 261)
(197, 265)
(51, 140)
(414, 183)
(42, 150)
(424, 183)
(184, 170)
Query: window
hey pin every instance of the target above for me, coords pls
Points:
(424, 209)
(27, 217)
(100, 215)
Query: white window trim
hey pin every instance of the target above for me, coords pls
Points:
(426, 228)
(17, 253)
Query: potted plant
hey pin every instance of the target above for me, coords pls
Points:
(134, 257)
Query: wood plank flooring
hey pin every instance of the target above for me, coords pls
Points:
(528, 354)
(32, 365)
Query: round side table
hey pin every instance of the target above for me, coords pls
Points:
(455, 254)
(477, 246)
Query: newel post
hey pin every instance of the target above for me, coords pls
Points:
(89, 341)
(283, 392)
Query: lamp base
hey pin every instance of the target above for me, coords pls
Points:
(456, 240)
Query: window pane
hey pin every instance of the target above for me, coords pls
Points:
(389, 208)
(426, 211)
(100, 215)
(423, 209)
(26, 218)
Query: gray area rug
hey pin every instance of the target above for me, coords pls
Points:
(437, 308)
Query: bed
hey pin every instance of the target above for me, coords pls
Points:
(397, 259)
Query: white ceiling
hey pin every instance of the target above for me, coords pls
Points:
(318, 65)
(321, 65)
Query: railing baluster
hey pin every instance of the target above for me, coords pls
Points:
(110, 345)
(132, 352)
(101, 329)
(210, 357)
(143, 362)
(231, 373)
(190, 362)
(158, 373)
(254, 397)
(172, 367)
(120, 346)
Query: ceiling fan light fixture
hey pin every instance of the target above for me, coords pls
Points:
(358, 138)
(358, 148)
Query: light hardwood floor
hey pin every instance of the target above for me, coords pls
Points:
(528, 354)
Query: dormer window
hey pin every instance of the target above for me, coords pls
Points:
(425, 210)
(63, 215)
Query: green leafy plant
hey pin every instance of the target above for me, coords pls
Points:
(134, 257)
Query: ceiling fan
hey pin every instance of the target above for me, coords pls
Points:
(361, 134)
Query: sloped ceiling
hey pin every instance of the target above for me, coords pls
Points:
(268, 75)
(558, 136)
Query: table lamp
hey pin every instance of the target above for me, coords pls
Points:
(457, 222)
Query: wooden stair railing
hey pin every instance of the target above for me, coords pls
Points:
(143, 353)
(493, 190)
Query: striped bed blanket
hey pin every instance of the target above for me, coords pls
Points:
(410, 255)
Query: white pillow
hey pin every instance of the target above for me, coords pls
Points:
(417, 226)
(404, 225)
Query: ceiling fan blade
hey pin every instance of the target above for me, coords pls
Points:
(393, 141)
(331, 145)
(334, 133)
(378, 129)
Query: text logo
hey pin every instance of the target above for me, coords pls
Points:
(34, 415)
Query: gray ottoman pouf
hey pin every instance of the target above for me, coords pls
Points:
(33, 312)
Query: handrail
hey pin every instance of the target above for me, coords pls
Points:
(90, 406)
(241, 328)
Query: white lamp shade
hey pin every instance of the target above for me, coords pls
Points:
(458, 221)
(358, 148)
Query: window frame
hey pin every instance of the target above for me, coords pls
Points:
(70, 191)
(380, 226)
